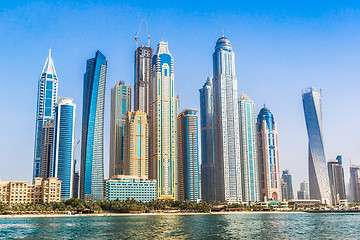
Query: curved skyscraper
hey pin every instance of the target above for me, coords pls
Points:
(318, 174)
(226, 122)
(46, 100)
(248, 149)
(92, 144)
(269, 168)
(162, 165)
(207, 142)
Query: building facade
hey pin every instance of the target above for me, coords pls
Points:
(226, 122)
(123, 187)
(354, 184)
(120, 104)
(18, 192)
(163, 124)
(268, 151)
(136, 136)
(208, 186)
(143, 75)
(92, 144)
(337, 180)
(64, 143)
(46, 100)
(318, 175)
(47, 149)
(286, 186)
(188, 156)
(248, 149)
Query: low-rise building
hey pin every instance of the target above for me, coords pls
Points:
(43, 190)
(122, 187)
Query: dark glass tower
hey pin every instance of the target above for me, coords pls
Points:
(92, 144)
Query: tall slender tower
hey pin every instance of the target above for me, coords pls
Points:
(286, 186)
(162, 165)
(46, 100)
(208, 187)
(64, 143)
(188, 156)
(248, 149)
(143, 57)
(354, 183)
(120, 104)
(337, 181)
(92, 144)
(318, 174)
(227, 142)
(136, 160)
(269, 168)
(47, 149)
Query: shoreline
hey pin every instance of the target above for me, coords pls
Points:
(141, 214)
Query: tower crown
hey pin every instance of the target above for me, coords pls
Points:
(224, 43)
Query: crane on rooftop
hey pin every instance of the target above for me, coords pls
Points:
(138, 32)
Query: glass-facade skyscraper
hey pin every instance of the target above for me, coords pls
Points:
(163, 124)
(208, 188)
(337, 180)
(143, 75)
(46, 100)
(188, 156)
(92, 144)
(226, 122)
(120, 104)
(268, 150)
(47, 149)
(64, 143)
(248, 149)
(286, 186)
(318, 174)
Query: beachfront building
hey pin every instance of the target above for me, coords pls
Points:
(120, 105)
(43, 190)
(92, 143)
(122, 187)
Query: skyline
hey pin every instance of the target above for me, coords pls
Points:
(70, 85)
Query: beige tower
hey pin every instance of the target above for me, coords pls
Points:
(136, 144)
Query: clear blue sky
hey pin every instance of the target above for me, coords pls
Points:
(281, 48)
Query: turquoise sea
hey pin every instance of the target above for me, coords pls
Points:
(201, 226)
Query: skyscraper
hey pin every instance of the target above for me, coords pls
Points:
(46, 100)
(303, 193)
(47, 149)
(226, 122)
(120, 104)
(269, 168)
(136, 144)
(64, 143)
(76, 181)
(188, 156)
(248, 149)
(143, 75)
(286, 186)
(337, 181)
(318, 175)
(208, 187)
(355, 183)
(163, 124)
(92, 144)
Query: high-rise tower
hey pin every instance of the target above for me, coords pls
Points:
(47, 149)
(143, 75)
(318, 174)
(92, 144)
(162, 165)
(337, 181)
(286, 186)
(208, 188)
(188, 156)
(46, 100)
(269, 169)
(120, 104)
(248, 149)
(64, 143)
(226, 122)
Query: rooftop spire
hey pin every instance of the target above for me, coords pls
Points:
(49, 52)
(49, 65)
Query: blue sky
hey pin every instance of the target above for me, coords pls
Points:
(281, 48)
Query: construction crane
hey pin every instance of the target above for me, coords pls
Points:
(138, 32)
